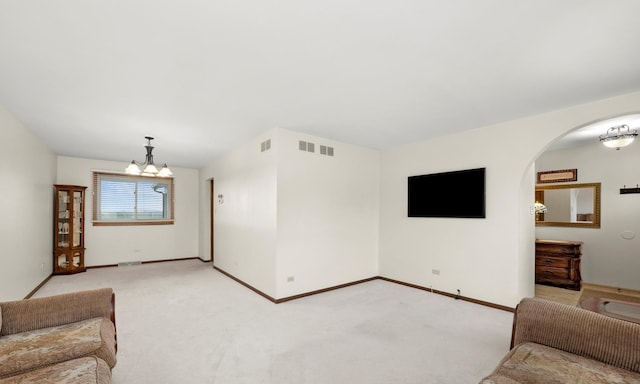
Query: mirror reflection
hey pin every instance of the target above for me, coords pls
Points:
(568, 205)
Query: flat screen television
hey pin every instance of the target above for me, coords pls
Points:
(459, 194)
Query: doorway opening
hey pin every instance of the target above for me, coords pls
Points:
(212, 197)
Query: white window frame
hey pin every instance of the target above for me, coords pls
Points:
(168, 209)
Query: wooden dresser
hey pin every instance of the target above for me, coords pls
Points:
(558, 263)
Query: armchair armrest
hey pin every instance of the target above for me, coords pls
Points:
(27, 315)
(576, 330)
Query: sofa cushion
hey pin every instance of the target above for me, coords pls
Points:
(536, 363)
(576, 330)
(85, 370)
(26, 351)
(44, 312)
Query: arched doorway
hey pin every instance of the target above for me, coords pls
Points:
(609, 253)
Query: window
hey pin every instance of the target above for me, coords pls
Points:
(131, 200)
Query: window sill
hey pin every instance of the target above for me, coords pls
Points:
(129, 223)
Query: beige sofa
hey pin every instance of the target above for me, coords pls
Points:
(558, 343)
(69, 338)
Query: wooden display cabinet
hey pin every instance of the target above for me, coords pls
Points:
(68, 230)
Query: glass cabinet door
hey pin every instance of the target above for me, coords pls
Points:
(77, 259)
(77, 219)
(63, 260)
(63, 219)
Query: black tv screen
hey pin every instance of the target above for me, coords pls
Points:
(458, 194)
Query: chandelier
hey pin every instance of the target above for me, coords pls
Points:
(618, 137)
(148, 168)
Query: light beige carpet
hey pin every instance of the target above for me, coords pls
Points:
(184, 322)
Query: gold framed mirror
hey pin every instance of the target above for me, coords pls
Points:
(569, 205)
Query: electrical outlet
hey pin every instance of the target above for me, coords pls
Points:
(435, 271)
(290, 279)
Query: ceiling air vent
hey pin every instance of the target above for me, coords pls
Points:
(307, 147)
(265, 145)
(324, 150)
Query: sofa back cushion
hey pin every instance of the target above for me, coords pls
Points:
(578, 331)
(27, 315)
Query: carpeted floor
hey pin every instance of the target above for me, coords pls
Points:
(184, 322)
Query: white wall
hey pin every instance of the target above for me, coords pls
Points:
(28, 172)
(245, 222)
(526, 251)
(608, 259)
(477, 256)
(486, 259)
(107, 245)
(327, 214)
(288, 213)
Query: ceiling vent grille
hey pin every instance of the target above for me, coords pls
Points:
(305, 146)
(265, 145)
(311, 147)
(325, 150)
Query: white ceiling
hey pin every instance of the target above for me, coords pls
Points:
(92, 78)
(589, 133)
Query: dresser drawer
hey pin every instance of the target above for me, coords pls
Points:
(551, 273)
(557, 262)
(558, 249)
